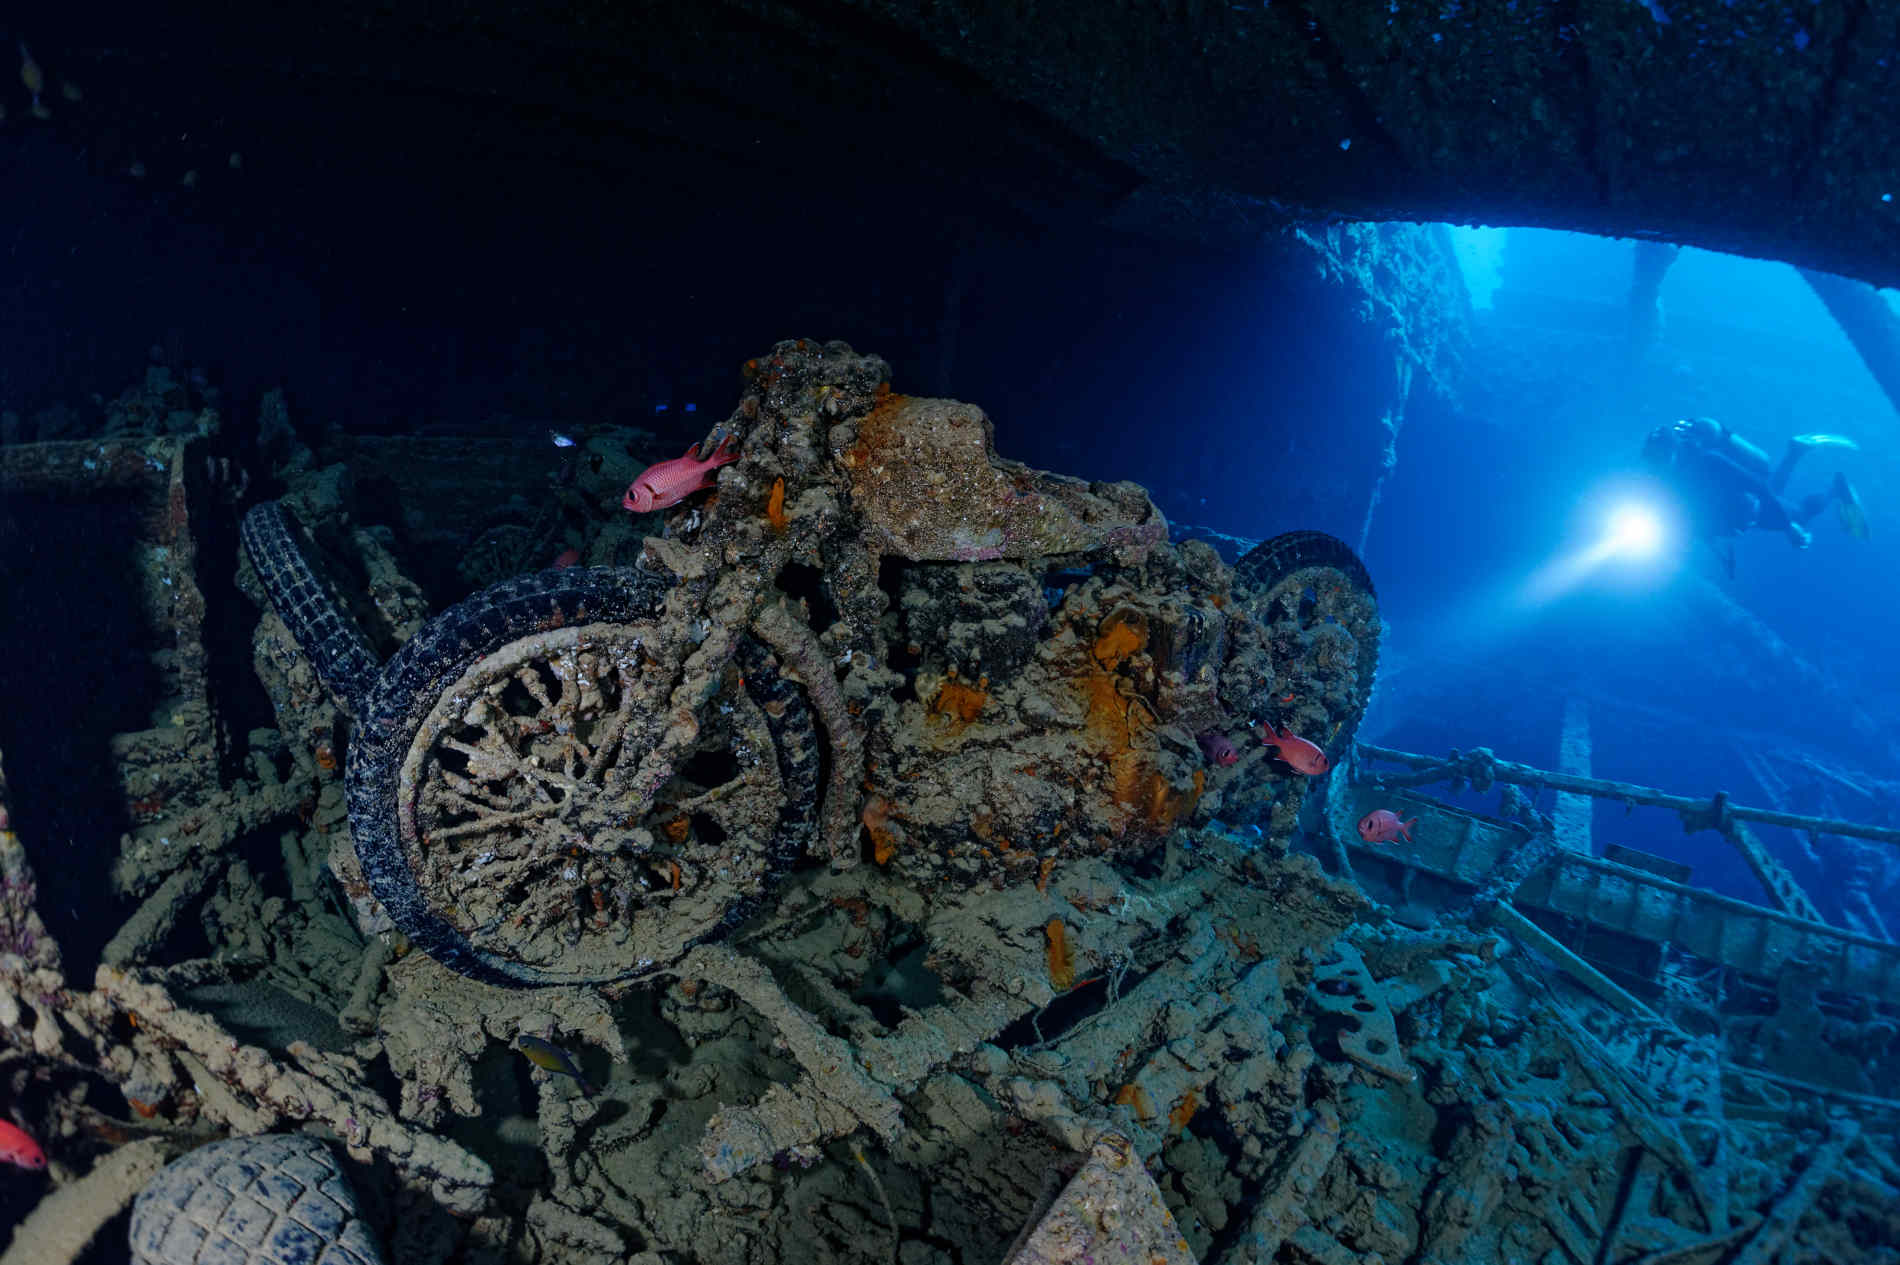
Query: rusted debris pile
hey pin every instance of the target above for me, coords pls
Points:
(866, 831)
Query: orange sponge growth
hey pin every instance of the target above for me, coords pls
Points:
(1061, 963)
(1107, 722)
(1165, 805)
(1122, 634)
(877, 823)
(1133, 1095)
(775, 506)
(959, 702)
(1184, 1110)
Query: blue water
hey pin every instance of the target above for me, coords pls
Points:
(1689, 670)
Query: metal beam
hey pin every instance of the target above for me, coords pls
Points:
(1570, 819)
(1698, 814)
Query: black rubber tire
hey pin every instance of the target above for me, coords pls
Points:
(337, 649)
(481, 625)
(1270, 562)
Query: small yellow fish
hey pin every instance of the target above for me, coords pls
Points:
(31, 75)
(552, 1058)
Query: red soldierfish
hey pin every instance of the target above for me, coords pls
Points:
(665, 485)
(17, 1148)
(1296, 751)
(1217, 749)
(565, 559)
(1382, 825)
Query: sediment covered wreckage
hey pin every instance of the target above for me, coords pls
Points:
(855, 831)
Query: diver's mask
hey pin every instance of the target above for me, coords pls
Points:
(1659, 449)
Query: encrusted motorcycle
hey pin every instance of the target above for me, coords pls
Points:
(875, 642)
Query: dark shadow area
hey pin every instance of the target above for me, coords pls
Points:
(73, 671)
(1087, 998)
(654, 1047)
(258, 1013)
(901, 980)
(238, 698)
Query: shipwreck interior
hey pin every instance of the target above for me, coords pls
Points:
(932, 835)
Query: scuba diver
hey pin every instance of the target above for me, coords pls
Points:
(1730, 486)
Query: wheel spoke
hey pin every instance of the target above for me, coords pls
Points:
(530, 680)
(493, 823)
(528, 840)
(472, 796)
(607, 742)
(728, 793)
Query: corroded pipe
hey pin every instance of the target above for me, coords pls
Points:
(1497, 770)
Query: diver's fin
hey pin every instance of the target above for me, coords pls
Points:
(1799, 445)
(1852, 513)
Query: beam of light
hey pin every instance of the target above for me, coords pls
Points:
(1611, 566)
(1633, 532)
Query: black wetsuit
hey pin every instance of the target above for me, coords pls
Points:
(1727, 496)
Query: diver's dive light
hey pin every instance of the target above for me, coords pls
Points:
(1635, 531)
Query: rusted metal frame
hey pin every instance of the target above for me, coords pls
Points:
(1561, 863)
(1695, 811)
